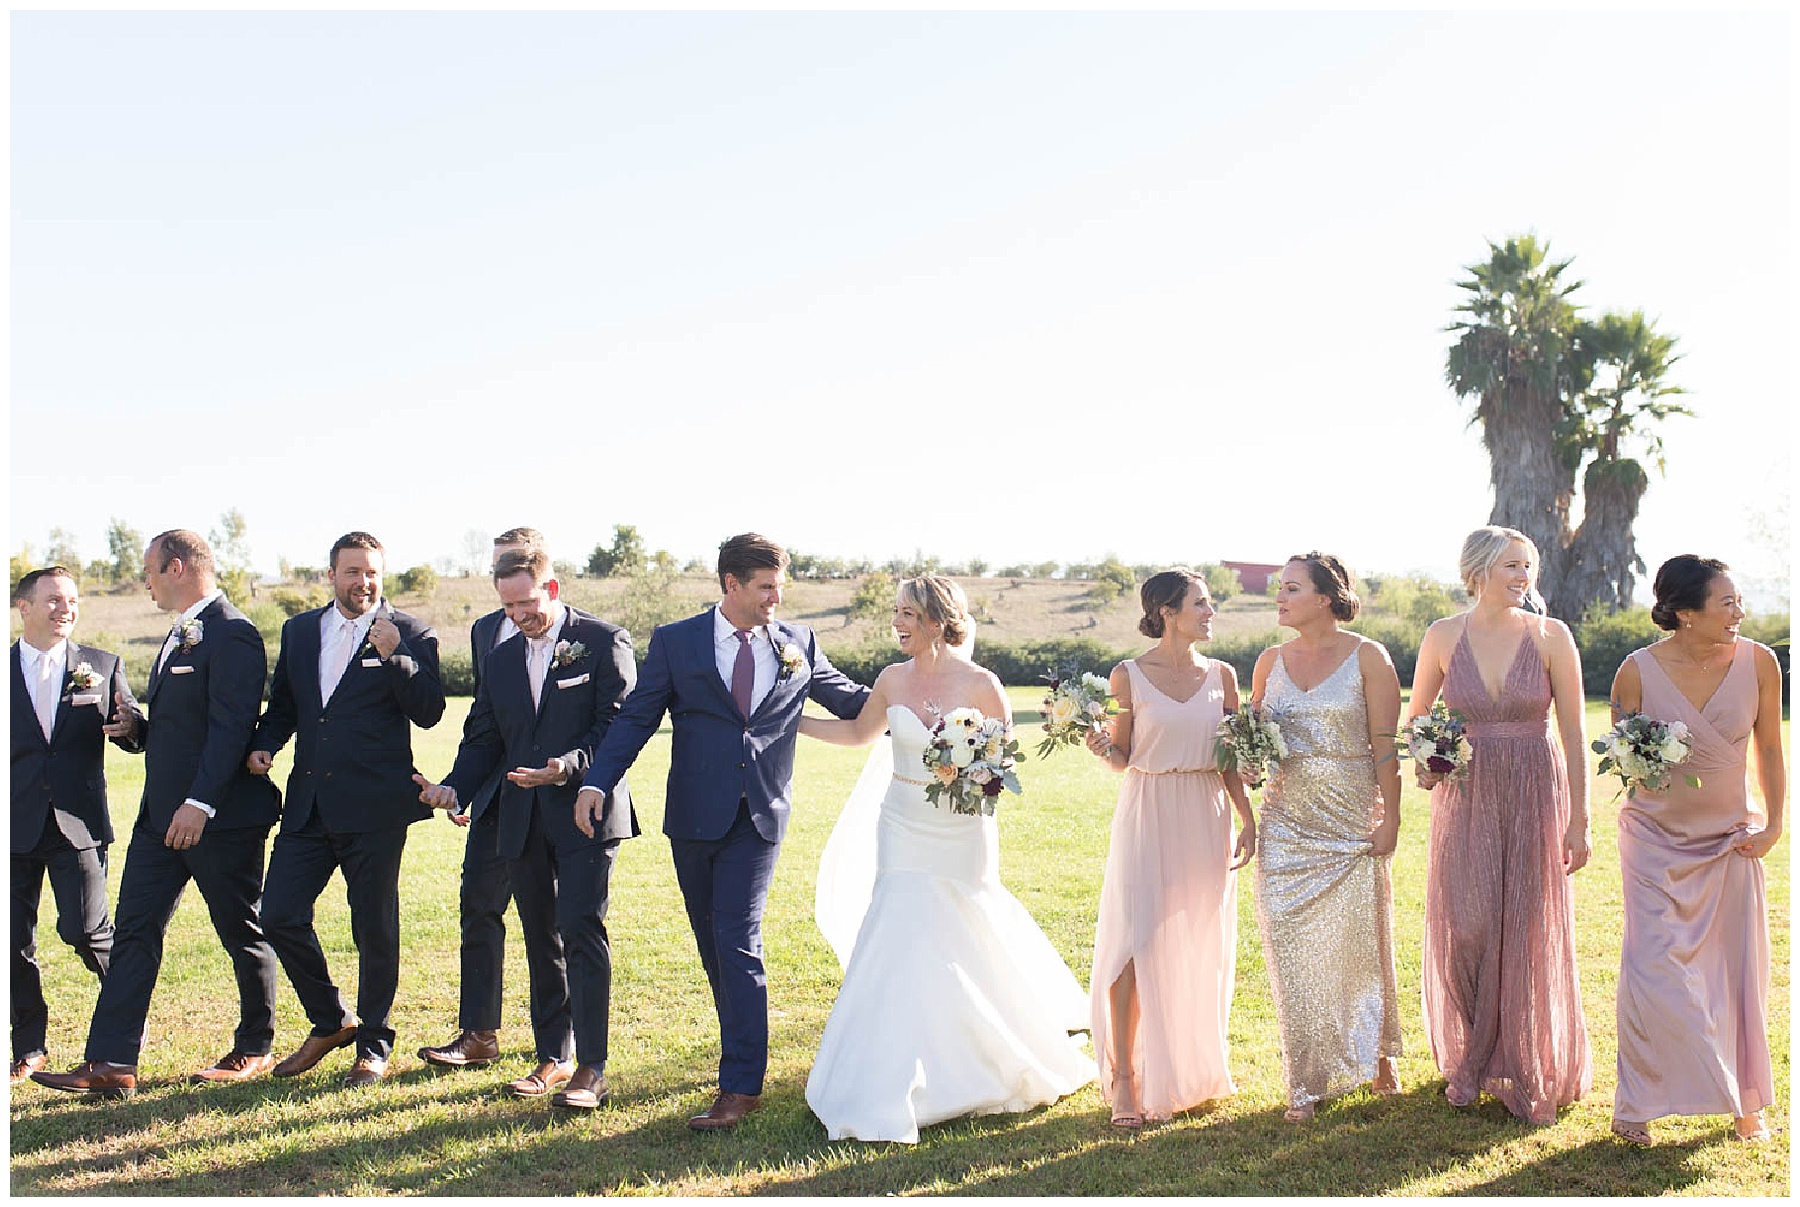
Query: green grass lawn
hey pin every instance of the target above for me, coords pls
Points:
(427, 1132)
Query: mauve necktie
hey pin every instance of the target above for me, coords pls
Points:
(743, 674)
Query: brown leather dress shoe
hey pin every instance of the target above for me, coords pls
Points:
(366, 1071)
(25, 1066)
(314, 1050)
(585, 1091)
(726, 1112)
(95, 1077)
(470, 1049)
(236, 1066)
(543, 1079)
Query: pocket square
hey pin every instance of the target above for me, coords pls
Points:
(183, 670)
(371, 662)
(577, 681)
(80, 698)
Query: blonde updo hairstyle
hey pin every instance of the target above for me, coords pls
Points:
(940, 601)
(1331, 578)
(1166, 589)
(1483, 549)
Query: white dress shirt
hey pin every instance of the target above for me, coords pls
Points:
(190, 613)
(334, 658)
(762, 649)
(538, 651)
(44, 672)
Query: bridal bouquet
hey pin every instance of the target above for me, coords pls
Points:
(1642, 752)
(1248, 742)
(1439, 740)
(971, 759)
(1077, 703)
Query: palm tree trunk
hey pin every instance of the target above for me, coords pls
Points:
(1532, 483)
(1602, 562)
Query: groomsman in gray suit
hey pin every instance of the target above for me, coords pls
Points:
(62, 696)
(486, 886)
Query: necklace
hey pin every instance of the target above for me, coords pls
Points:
(1693, 661)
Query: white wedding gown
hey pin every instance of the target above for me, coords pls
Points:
(953, 1002)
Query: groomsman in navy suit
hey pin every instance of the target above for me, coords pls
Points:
(734, 680)
(352, 679)
(62, 694)
(545, 701)
(203, 818)
(486, 887)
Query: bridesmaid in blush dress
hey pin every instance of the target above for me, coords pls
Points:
(1502, 995)
(1330, 821)
(1166, 940)
(1694, 970)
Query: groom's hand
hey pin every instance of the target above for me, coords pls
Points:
(590, 803)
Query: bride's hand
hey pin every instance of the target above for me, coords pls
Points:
(1098, 742)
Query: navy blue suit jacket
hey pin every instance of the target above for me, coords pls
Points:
(66, 774)
(481, 645)
(719, 758)
(578, 704)
(353, 761)
(203, 702)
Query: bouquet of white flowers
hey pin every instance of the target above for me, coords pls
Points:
(1641, 751)
(971, 759)
(1248, 742)
(1077, 703)
(1439, 740)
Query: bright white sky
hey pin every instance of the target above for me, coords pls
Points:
(1025, 286)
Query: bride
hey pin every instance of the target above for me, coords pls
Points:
(953, 1002)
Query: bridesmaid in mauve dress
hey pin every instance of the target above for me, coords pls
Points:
(1502, 996)
(1330, 820)
(1165, 943)
(1694, 972)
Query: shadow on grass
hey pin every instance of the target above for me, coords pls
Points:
(460, 1133)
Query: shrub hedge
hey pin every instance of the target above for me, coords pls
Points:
(1604, 641)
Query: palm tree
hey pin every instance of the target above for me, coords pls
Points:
(1626, 365)
(1513, 355)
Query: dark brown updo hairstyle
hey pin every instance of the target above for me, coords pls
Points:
(1331, 578)
(1681, 586)
(1164, 589)
(942, 602)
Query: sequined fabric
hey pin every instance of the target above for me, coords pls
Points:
(1323, 904)
(1501, 991)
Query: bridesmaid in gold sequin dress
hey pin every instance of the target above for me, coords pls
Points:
(1329, 823)
(1502, 995)
(1693, 1004)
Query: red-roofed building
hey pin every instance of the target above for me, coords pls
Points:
(1253, 576)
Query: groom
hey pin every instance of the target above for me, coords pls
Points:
(734, 680)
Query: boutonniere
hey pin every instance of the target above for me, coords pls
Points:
(188, 633)
(791, 659)
(567, 653)
(84, 678)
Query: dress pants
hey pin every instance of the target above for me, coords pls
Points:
(725, 882)
(561, 891)
(78, 885)
(485, 890)
(227, 867)
(299, 868)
